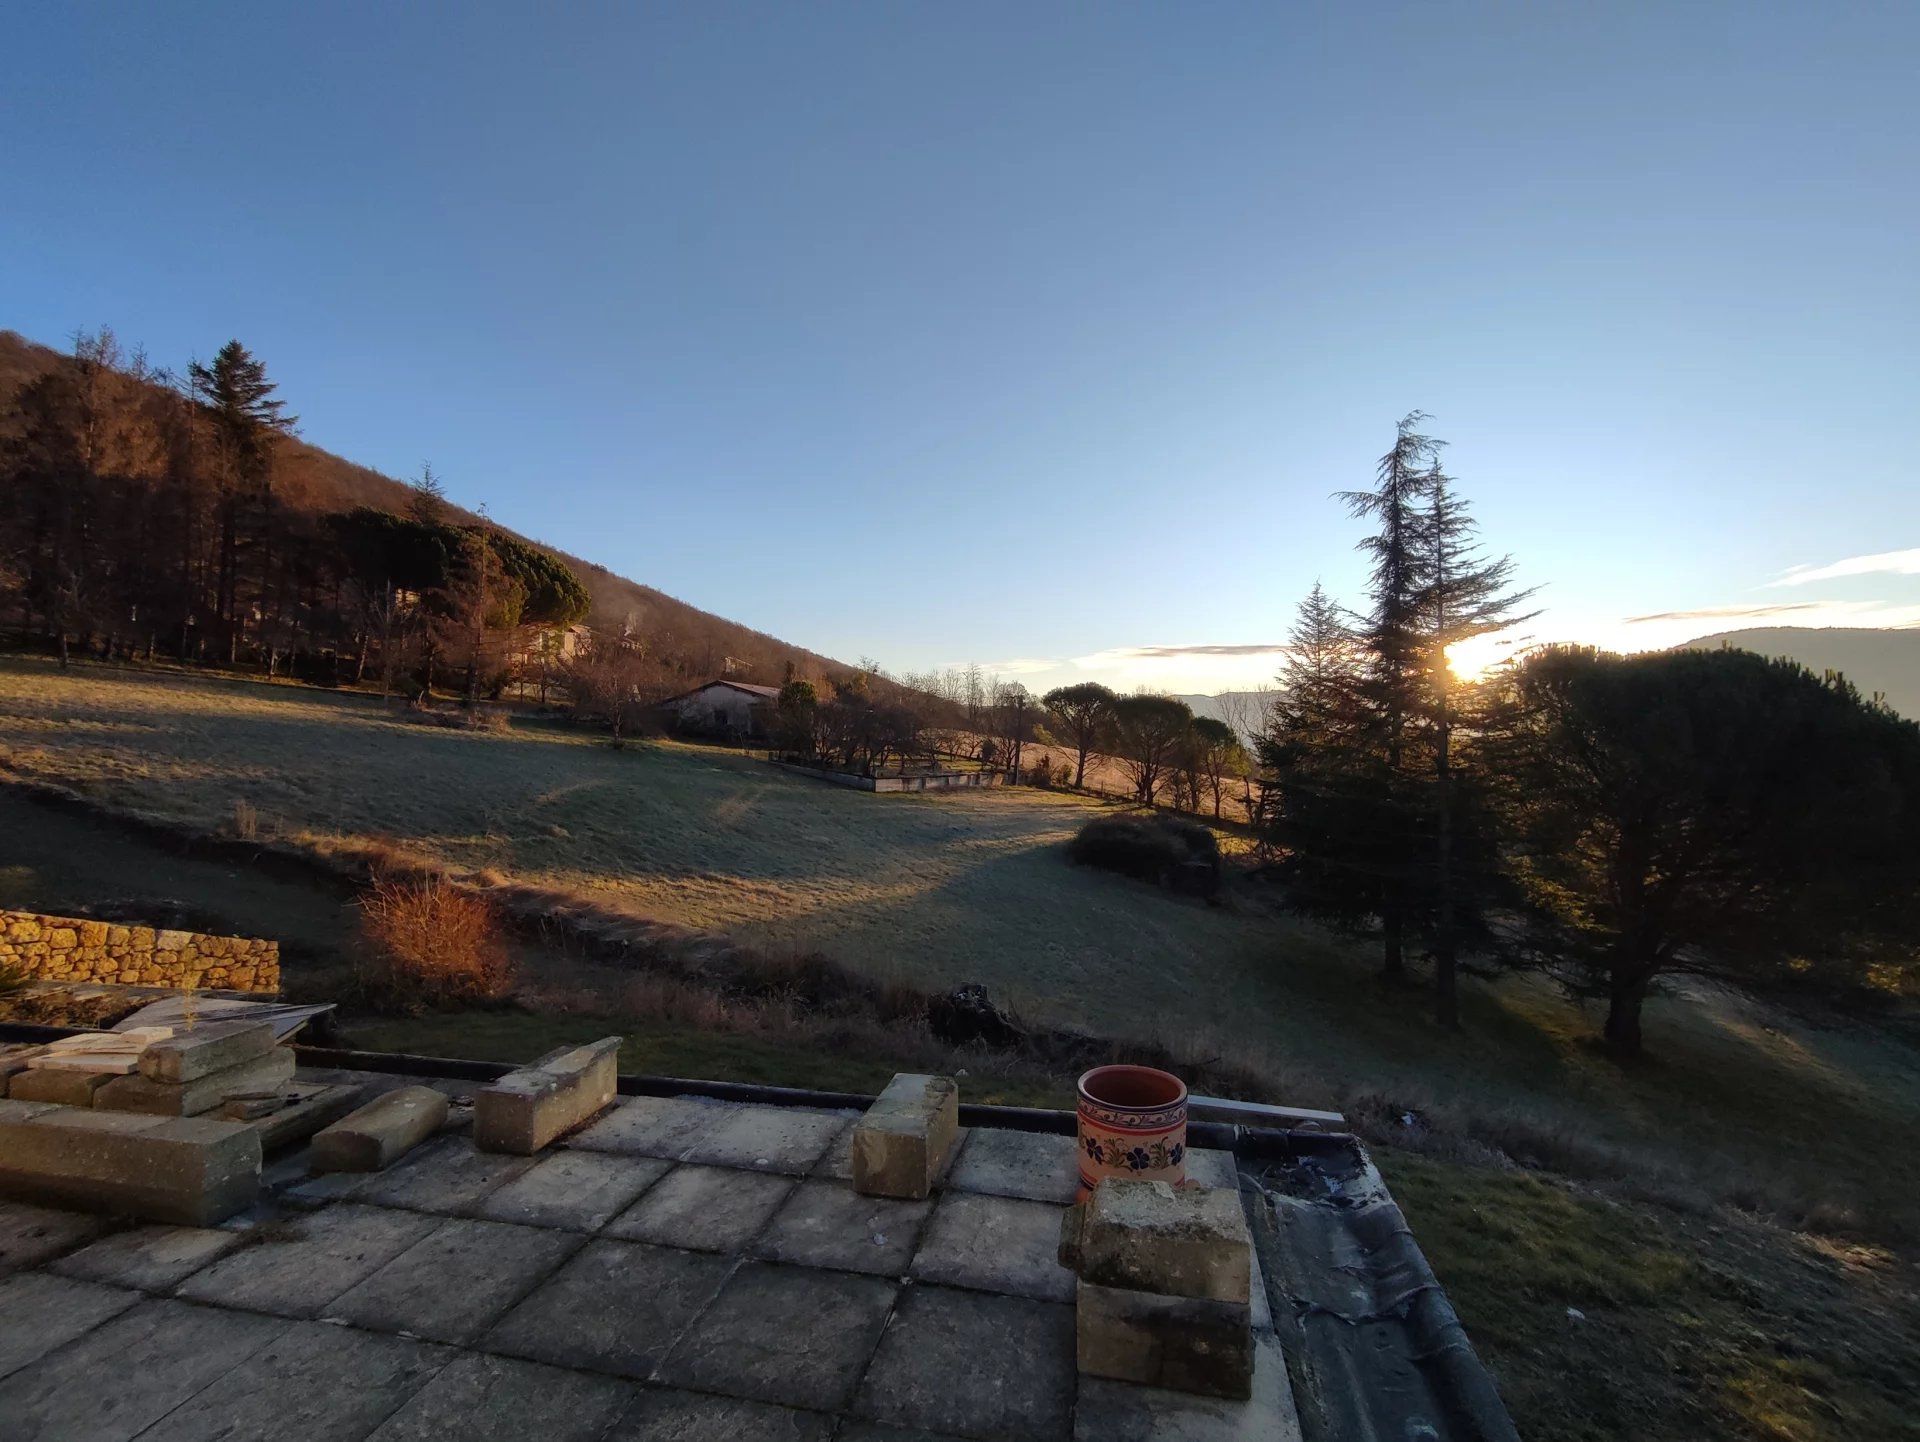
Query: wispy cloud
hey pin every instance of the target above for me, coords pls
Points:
(1018, 666)
(1747, 612)
(1881, 563)
(1167, 653)
(1668, 628)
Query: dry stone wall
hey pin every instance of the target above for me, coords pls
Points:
(64, 948)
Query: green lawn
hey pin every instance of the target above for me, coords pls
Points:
(1605, 1319)
(660, 1049)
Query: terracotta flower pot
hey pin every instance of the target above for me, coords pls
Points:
(1133, 1124)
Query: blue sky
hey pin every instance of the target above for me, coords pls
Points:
(1034, 335)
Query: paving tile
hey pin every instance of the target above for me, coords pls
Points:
(1213, 1168)
(296, 1267)
(652, 1126)
(768, 1139)
(829, 1224)
(615, 1307)
(39, 1312)
(447, 1176)
(705, 1209)
(995, 1244)
(661, 1414)
(153, 1259)
(31, 1235)
(456, 1282)
(327, 1187)
(1110, 1411)
(1036, 1166)
(581, 1191)
(793, 1335)
(313, 1382)
(157, 1355)
(974, 1365)
(478, 1398)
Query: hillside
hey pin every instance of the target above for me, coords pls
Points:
(316, 480)
(1879, 662)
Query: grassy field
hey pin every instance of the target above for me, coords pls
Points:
(1699, 1321)
(936, 890)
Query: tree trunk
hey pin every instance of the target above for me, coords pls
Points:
(1446, 970)
(1446, 987)
(1080, 771)
(1393, 962)
(1624, 997)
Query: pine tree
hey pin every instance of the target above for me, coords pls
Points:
(248, 422)
(1392, 685)
(1321, 811)
(1464, 595)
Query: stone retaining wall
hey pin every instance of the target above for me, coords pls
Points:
(64, 948)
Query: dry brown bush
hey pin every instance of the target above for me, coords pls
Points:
(430, 945)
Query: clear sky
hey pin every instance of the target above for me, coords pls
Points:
(1034, 334)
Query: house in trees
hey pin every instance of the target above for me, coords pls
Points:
(722, 708)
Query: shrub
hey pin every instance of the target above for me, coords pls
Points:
(1152, 848)
(430, 945)
(246, 820)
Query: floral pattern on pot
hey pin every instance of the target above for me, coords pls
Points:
(1133, 1124)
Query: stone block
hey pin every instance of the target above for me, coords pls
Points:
(58, 1084)
(301, 1111)
(185, 1170)
(526, 1109)
(903, 1143)
(1189, 1344)
(1152, 1237)
(214, 1046)
(13, 1061)
(381, 1132)
(204, 1094)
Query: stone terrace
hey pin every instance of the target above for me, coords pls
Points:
(680, 1269)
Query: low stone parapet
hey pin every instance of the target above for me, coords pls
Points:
(526, 1109)
(72, 949)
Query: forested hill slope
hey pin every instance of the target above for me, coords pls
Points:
(1878, 661)
(319, 481)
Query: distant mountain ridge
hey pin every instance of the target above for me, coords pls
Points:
(1878, 661)
(319, 481)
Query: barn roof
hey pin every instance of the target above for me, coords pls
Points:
(764, 693)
